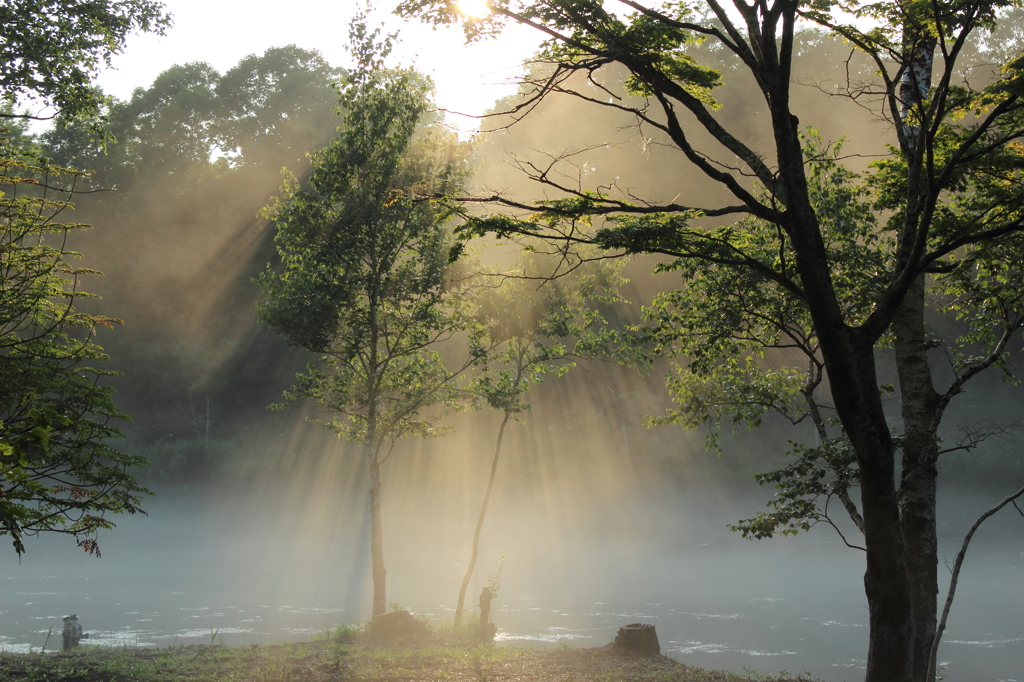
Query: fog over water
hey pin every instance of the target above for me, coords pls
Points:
(284, 561)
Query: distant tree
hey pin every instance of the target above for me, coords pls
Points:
(192, 123)
(364, 280)
(52, 49)
(197, 154)
(535, 318)
(170, 127)
(59, 471)
(276, 107)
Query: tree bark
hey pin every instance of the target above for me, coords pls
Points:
(919, 402)
(887, 579)
(849, 360)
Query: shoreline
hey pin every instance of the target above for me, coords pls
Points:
(357, 660)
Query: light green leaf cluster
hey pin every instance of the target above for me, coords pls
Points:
(53, 48)
(978, 284)
(814, 477)
(537, 317)
(723, 322)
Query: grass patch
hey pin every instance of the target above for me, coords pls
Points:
(354, 660)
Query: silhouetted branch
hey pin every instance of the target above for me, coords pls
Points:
(956, 575)
(977, 433)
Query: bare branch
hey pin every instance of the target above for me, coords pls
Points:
(957, 564)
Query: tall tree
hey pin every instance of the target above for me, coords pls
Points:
(726, 321)
(946, 137)
(364, 280)
(59, 469)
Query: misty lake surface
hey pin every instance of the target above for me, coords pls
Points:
(201, 569)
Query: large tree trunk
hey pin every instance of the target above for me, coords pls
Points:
(850, 363)
(887, 579)
(917, 503)
(917, 490)
(849, 359)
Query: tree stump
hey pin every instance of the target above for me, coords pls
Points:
(487, 629)
(397, 625)
(72, 633)
(639, 638)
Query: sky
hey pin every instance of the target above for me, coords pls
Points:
(222, 32)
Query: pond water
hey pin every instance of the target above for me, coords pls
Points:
(198, 572)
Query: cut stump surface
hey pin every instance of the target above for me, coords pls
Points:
(639, 638)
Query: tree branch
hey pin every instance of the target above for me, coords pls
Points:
(957, 564)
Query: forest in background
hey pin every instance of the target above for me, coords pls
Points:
(177, 236)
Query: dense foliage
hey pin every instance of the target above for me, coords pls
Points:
(58, 468)
(52, 49)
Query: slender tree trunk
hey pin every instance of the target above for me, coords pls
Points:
(920, 452)
(919, 400)
(380, 600)
(372, 450)
(480, 523)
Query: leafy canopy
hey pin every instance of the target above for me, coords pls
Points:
(59, 471)
(365, 279)
(52, 49)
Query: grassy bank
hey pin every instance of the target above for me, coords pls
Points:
(334, 661)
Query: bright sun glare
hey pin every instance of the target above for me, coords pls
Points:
(474, 9)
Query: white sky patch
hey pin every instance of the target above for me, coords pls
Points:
(469, 78)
